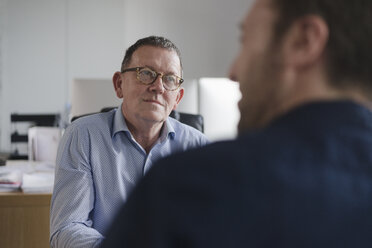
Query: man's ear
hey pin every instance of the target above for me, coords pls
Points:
(305, 42)
(117, 81)
(179, 97)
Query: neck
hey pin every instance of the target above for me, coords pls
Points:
(146, 134)
(312, 91)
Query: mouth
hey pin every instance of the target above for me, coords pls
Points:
(153, 101)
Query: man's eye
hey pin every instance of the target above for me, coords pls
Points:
(170, 78)
(147, 73)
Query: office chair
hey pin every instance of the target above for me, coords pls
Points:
(194, 120)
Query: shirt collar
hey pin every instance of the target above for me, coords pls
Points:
(119, 125)
(168, 130)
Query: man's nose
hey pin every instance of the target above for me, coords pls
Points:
(157, 85)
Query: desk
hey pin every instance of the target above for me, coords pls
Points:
(24, 220)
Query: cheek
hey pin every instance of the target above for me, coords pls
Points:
(130, 91)
(243, 64)
(171, 100)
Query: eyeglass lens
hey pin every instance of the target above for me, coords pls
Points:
(148, 76)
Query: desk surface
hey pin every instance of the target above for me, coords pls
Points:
(14, 199)
(24, 220)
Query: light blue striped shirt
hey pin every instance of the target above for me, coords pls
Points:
(98, 164)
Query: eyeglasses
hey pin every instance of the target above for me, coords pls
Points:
(148, 76)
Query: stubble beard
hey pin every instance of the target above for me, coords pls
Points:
(258, 102)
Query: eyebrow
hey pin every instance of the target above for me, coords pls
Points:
(165, 73)
(150, 67)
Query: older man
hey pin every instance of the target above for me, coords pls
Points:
(101, 157)
(300, 173)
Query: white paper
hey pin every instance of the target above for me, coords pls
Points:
(38, 182)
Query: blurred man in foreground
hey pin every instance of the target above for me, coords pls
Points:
(300, 172)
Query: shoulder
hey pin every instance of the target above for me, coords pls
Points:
(227, 159)
(202, 160)
(187, 133)
(94, 123)
(98, 118)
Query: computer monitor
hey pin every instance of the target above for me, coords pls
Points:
(218, 104)
(91, 95)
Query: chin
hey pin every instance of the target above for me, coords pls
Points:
(247, 124)
(155, 116)
(242, 128)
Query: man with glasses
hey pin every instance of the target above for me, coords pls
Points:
(300, 172)
(101, 157)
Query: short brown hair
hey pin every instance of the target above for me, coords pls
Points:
(156, 41)
(350, 36)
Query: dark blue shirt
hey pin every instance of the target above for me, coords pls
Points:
(304, 181)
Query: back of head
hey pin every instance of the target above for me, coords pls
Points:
(155, 41)
(350, 36)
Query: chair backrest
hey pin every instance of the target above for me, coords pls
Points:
(107, 109)
(194, 120)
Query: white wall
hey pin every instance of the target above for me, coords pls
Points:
(2, 25)
(95, 38)
(47, 44)
(34, 74)
(206, 31)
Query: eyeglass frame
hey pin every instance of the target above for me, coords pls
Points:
(138, 69)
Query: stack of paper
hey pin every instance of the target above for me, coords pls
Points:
(30, 177)
(10, 180)
(38, 182)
